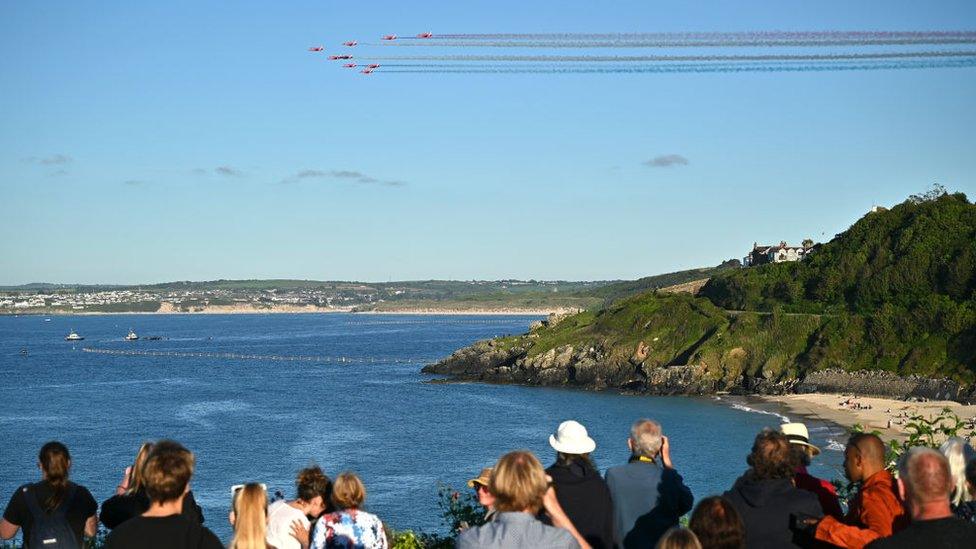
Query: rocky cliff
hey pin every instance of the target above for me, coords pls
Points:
(887, 308)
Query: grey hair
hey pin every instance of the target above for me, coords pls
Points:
(645, 435)
(925, 473)
(959, 453)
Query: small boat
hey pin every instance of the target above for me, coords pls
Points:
(73, 336)
(132, 336)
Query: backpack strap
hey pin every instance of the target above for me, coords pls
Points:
(34, 504)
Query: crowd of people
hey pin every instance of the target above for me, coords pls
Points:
(775, 503)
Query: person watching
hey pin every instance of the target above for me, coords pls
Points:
(581, 491)
(288, 521)
(480, 486)
(803, 454)
(925, 483)
(519, 486)
(766, 499)
(876, 511)
(648, 494)
(250, 518)
(959, 453)
(131, 500)
(55, 496)
(717, 524)
(349, 526)
(167, 474)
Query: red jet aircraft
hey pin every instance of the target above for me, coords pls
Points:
(371, 67)
(350, 65)
(425, 35)
(367, 71)
(350, 44)
(338, 57)
(316, 48)
(389, 37)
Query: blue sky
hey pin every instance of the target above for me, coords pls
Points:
(151, 142)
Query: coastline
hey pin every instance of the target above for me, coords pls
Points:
(304, 310)
(827, 407)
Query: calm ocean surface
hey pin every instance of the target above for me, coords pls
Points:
(226, 392)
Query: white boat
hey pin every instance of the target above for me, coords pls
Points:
(73, 336)
(132, 336)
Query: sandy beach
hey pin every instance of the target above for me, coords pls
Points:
(871, 412)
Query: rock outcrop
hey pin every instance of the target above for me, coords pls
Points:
(595, 368)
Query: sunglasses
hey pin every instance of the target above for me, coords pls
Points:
(238, 487)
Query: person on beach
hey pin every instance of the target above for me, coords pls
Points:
(766, 499)
(288, 521)
(52, 509)
(580, 490)
(166, 474)
(520, 488)
(349, 527)
(959, 453)
(481, 491)
(250, 518)
(678, 538)
(717, 524)
(876, 511)
(130, 499)
(803, 454)
(924, 482)
(648, 497)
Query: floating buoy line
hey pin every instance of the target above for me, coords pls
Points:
(245, 356)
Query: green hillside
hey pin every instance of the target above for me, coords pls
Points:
(894, 292)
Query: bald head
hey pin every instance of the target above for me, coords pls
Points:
(870, 448)
(926, 477)
(863, 457)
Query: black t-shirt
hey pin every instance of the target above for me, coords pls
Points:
(118, 509)
(171, 532)
(81, 506)
(946, 533)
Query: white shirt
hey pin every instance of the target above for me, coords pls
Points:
(280, 517)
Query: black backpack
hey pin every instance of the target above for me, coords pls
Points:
(50, 530)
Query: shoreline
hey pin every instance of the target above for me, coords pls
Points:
(827, 407)
(304, 310)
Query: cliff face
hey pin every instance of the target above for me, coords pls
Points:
(886, 308)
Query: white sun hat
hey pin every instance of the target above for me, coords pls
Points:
(797, 433)
(571, 438)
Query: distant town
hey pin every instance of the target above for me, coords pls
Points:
(283, 295)
(323, 296)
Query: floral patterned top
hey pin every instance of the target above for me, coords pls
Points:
(349, 529)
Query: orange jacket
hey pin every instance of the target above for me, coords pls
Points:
(876, 512)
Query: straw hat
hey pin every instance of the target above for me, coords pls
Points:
(797, 433)
(481, 479)
(571, 438)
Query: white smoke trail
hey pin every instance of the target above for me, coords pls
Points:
(676, 58)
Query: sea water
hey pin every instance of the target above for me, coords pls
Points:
(257, 397)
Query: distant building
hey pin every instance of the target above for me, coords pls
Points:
(778, 253)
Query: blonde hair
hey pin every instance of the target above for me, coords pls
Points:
(167, 471)
(250, 517)
(679, 538)
(348, 492)
(518, 482)
(137, 478)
